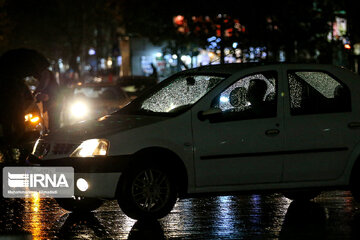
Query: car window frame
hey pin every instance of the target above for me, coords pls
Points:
(238, 116)
(236, 74)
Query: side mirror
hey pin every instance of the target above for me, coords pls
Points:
(207, 114)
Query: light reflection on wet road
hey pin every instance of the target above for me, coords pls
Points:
(332, 215)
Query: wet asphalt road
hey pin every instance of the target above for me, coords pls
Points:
(332, 215)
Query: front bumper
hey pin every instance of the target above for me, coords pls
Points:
(101, 185)
(101, 173)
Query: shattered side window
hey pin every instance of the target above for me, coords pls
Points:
(296, 92)
(234, 98)
(316, 92)
(181, 93)
(251, 97)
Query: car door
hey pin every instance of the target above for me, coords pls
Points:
(235, 146)
(318, 118)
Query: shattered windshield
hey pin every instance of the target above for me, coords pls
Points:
(176, 95)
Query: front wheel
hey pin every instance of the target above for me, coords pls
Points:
(147, 193)
(79, 204)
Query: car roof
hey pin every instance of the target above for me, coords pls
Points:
(231, 68)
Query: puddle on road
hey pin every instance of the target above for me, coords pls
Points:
(225, 217)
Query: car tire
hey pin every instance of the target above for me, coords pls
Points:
(301, 195)
(79, 204)
(147, 193)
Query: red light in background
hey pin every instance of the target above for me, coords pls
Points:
(179, 20)
(228, 32)
(218, 32)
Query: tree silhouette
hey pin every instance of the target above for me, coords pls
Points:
(62, 29)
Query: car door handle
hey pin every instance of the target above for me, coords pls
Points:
(272, 132)
(354, 125)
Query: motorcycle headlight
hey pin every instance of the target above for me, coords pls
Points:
(79, 109)
(32, 118)
(92, 148)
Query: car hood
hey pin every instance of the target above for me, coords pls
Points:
(101, 127)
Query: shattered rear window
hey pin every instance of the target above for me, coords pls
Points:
(317, 92)
(321, 81)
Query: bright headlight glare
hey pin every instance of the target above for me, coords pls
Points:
(91, 148)
(79, 109)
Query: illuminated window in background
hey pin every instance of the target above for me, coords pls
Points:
(102, 63)
(339, 29)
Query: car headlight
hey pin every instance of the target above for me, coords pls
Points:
(79, 109)
(91, 148)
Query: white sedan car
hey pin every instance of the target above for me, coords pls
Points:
(290, 128)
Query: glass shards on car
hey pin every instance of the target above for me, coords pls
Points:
(91, 101)
(289, 128)
(180, 94)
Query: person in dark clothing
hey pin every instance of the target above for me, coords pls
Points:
(13, 106)
(15, 65)
(255, 95)
(48, 92)
(154, 73)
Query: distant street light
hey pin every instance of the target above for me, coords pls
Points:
(92, 52)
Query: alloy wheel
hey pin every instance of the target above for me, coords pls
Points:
(150, 189)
